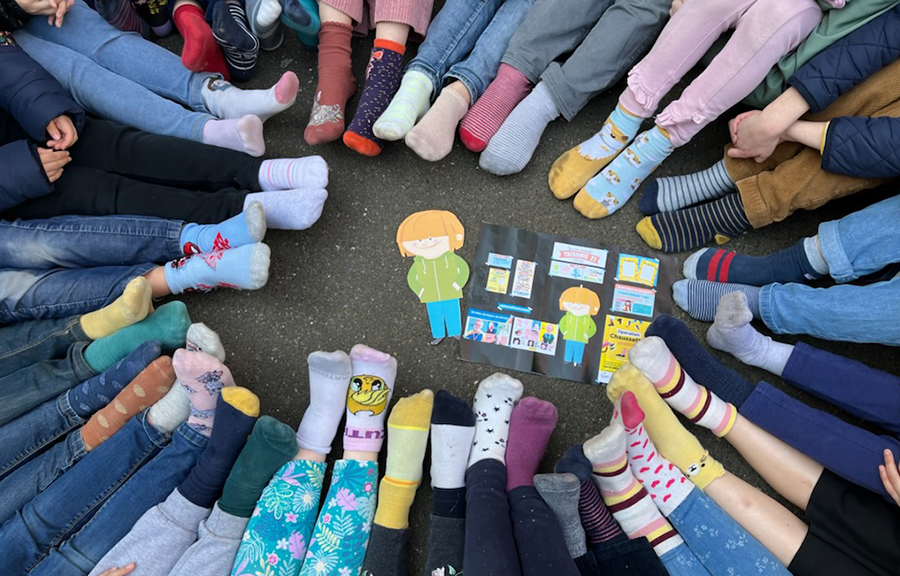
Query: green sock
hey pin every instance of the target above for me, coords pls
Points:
(168, 326)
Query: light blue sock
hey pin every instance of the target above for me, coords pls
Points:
(247, 227)
(244, 268)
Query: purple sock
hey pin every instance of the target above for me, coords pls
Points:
(382, 81)
(530, 426)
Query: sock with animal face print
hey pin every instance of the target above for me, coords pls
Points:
(371, 388)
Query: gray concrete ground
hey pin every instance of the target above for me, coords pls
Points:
(343, 281)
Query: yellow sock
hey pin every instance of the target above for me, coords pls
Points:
(674, 442)
(242, 399)
(129, 308)
(407, 439)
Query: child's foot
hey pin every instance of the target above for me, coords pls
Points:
(720, 220)
(677, 192)
(371, 388)
(244, 135)
(223, 100)
(242, 268)
(291, 209)
(432, 138)
(382, 80)
(329, 376)
(294, 15)
(262, 16)
(494, 402)
(248, 227)
(122, 15)
(491, 109)
(232, 31)
(95, 393)
(201, 53)
(201, 338)
(785, 266)
(531, 424)
(335, 86)
(156, 14)
(731, 332)
(407, 107)
(202, 377)
(292, 173)
(700, 298)
(132, 306)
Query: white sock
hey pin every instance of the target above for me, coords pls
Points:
(371, 388)
(225, 101)
(200, 338)
(814, 255)
(409, 104)
(244, 135)
(171, 410)
(292, 173)
(290, 209)
(245, 268)
(329, 375)
(494, 402)
(732, 332)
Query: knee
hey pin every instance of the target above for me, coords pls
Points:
(773, 13)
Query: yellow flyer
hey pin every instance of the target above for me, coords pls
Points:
(619, 335)
(498, 280)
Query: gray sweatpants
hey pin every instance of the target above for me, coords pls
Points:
(608, 37)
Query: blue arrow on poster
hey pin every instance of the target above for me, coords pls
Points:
(514, 308)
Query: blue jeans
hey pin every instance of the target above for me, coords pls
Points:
(574, 351)
(480, 29)
(27, 343)
(147, 488)
(67, 504)
(862, 242)
(441, 312)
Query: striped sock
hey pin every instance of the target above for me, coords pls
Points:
(122, 15)
(700, 298)
(718, 265)
(720, 220)
(652, 357)
(293, 173)
(599, 525)
(490, 110)
(232, 32)
(677, 192)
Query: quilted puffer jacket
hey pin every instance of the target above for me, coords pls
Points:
(855, 146)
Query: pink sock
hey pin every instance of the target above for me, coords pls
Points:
(485, 117)
(530, 425)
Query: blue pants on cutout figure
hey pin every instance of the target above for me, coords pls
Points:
(574, 351)
(441, 312)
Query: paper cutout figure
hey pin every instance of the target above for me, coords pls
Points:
(577, 327)
(367, 394)
(437, 275)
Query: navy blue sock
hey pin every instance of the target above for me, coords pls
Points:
(449, 502)
(700, 364)
(575, 462)
(587, 564)
(92, 395)
(448, 409)
(718, 265)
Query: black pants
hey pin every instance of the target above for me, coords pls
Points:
(120, 170)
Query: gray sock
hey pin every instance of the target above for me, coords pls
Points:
(813, 252)
(386, 553)
(290, 209)
(561, 493)
(446, 543)
(171, 410)
(213, 554)
(511, 148)
(677, 192)
(732, 332)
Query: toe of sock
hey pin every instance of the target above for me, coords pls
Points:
(649, 205)
(648, 233)
(256, 220)
(471, 141)
(491, 162)
(242, 399)
(250, 128)
(691, 265)
(424, 147)
(680, 291)
(259, 265)
(361, 144)
(589, 207)
(286, 88)
(448, 409)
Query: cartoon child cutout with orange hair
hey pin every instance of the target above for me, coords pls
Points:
(577, 327)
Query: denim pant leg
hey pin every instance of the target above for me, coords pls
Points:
(480, 67)
(862, 242)
(28, 435)
(845, 313)
(67, 504)
(112, 96)
(26, 343)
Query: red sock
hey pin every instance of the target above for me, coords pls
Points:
(485, 117)
(201, 53)
(336, 84)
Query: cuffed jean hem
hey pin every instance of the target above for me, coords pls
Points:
(83, 370)
(423, 68)
(475, 87)
(195, 92)
(839, 265)
(73, 325)
(173, 239)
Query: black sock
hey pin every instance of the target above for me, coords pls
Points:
(232, 31)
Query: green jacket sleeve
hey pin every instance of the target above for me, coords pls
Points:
(412, 279)
(591, 329)
(462, 271)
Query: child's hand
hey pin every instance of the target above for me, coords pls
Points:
(53, 162)
(119, 571)
(890, 476)
(62, 6)
(63, 133)
(37, 7)
(676, 6)
(754, 137)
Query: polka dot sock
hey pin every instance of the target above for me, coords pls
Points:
(382, 81)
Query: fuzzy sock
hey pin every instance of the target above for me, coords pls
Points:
(491, 109)
(700, 298)
(291, 209)
(242, 135)
(432, 138)
(721, 380)
(452, 431)
(371, 388)
(731, 332)
(156, 14)
(628, 501)
(599, 525)
(574, 168)
(674, 442)
(143, 391)
(122, 15)
(201, 53)
(248, 227)
(239, 45)
(784, 266)
(512, 147)
(171, 410)
(223, 100)
(132, 306)
(329, 375)
(335, 86)
(720, 220)
(617, 183)
(95, 393)
(168, 326)
(202, 377)
(262, 16)
(271, 444)
(293, 173)
(652, 357)
(530, 426)
(677, 192)
(200, 338)
(561, 493)
(494, 402)
(408, 105)
(382, 81)
(244, 268)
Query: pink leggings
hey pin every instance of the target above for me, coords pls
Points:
(765, 30)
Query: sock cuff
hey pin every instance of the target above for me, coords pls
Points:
(395, 498)
(449, 502)
(390, 45)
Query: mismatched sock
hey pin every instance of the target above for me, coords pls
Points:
(599, 525)
(171, 410)
(132, 306)
(335, 85)
(409, 104)
(200, 338)
(203, 378)
(491, 109)
(248, 227)
(239, 45)
(262, 16)
(293, 173)
(494, 402)
(224, 100)
(92, 395)
(561, 493)
(718, 265)
(382, 81)
(530, 426)
(731, 332)
(452, 431)
(700, 298)
(432, 138)
(244, 268)
(243, 135)
(371, 388)
(290, 209)
(720, 220)
(677, 192)
(329, 376)
(201, 52)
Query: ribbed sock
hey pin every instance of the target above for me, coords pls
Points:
(494, 402)
(491, 109)
(291, 209)
(452, 431)
(721, 220)
(677, 192)
(335, 85)
(371, 388)
(784, 266)
(201, 52)
(293, 173)
(122, 15)
(700, 298)
(329, 376)
(432, 138)
(408, 105)
(262, 16)
(243, 268)
(599, 525)
(247, 227)
(242, 135)
(201, 338)
(239, 45)
(203, 378)
(561, 493)
(223, 100)
(530, 426)
(382, 81)
(132, 306)
(95, 393)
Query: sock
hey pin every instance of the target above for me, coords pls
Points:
(674, 442)
(617, 183)
(223, 100)
(574, 168)
(718, 265)
(678, 389)
(721, 380)
(407, 441)
(156, 14)
(530, 426)
(335, 86)
(171, 410)
(407, 106)
(201, 53)
(561, 493)
(494, 402)
(271, 444)
(248, 227)
(132, 306)
(491, 109)
(382, 81)
(512, 147)
(677, 192)
(294, 15)
(371, 388)
(202, 377)
(262, 16)
(200, 338)
(143, 391)
(243, 135)
(452, 431)
(290, 209)
(122, 15)
(236, 412)
(239, 45)
(814, 256)
(95, 393)
(244, 268)
(599, 525)
(628, 501)
(432, 138)
(292, 173)
(731, 332)
(168, 326)
(699, 298)
(664, 482)
(329, 375)
(720, 220)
